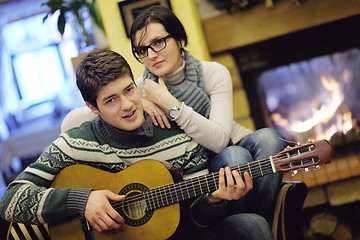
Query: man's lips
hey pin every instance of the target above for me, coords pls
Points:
(130, 114)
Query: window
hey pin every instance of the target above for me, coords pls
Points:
(39, 74)
(41, 62)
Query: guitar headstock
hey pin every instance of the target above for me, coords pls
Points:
(311, 154)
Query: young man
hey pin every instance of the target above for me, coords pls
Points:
(120, 136)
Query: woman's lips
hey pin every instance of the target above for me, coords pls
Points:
(158, 64)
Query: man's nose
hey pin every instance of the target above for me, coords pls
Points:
(125, 103)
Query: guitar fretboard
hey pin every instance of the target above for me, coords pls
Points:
(174, 193)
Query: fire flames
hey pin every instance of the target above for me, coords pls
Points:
(327, 114)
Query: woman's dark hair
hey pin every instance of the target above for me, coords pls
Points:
(158, 14)
(97, 69)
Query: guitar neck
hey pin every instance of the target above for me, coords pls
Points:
(174, 193)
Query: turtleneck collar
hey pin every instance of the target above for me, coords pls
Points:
(124, 139)
(176, 77)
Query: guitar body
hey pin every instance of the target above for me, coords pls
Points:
(135, 179)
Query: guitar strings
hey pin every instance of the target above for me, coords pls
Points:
(165, 192)
(164, 196)
(134, 199)
(186, 187)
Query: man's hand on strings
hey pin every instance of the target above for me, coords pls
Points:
(231, 186)
(99, 212)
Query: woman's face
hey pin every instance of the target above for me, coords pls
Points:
(165, 61)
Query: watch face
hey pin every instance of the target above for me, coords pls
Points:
(173, 113)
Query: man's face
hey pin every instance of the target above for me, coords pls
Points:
(119, 104)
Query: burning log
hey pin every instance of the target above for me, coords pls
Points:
(324, 223)
(327, 224)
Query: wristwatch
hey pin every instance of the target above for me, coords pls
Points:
(174, 112)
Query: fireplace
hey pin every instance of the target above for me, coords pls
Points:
(306, 84)
(317, 46)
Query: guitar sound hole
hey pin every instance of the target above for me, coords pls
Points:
(134, 208)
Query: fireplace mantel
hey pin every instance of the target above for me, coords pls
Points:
(226, 32)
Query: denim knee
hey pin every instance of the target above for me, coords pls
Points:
(229, 157)
(246, 226)
(263, 143)
(269, 137)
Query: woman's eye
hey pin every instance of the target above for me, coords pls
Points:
(158, 42)
(142, 50)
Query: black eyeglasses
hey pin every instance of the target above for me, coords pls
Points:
(156, 46)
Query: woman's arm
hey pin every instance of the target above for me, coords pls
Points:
(213, 133)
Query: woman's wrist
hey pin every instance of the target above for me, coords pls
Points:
(171, 102)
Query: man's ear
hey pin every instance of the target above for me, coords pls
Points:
(92, 108)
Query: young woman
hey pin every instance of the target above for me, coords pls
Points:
(200, 92)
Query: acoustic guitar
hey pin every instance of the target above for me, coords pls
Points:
(151, 206)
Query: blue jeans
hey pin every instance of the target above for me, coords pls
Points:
(242, 226)
(259, 145)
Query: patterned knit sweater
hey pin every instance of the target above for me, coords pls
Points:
(29, 198)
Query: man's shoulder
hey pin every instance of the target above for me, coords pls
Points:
(85, 131)
(166, 132)
(82, 143)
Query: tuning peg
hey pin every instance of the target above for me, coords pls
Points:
(294, 172)
(316, 167)
(305, 170)
(310, 140)
(298, 143)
